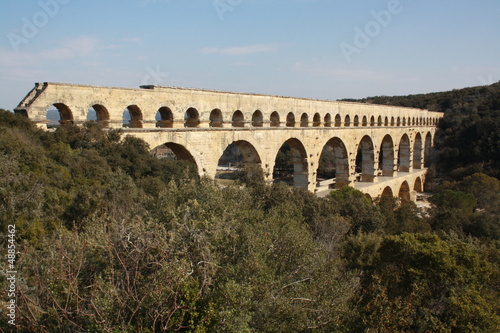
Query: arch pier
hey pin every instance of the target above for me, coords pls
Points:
(376, 149)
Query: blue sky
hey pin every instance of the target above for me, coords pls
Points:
(326, 49)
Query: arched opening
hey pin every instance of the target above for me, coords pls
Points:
(215, 118)
(338, 121)
(304, 120)
(99, 114)
(387, 192)
(238, 120)
(404, 121)
(372, 121)
(365, 160)
(417, 152)
(275, 119)
(379, 121)
(392, 121)
(164, 118)
(291, 164)
(175, 151)
(328, 120)
(59, 114)
(413, 121)
(191, 118)
(347, 121)
(364, 122)
(132, 117)
(257, 119)
(316, 120)
(427, 150)
(290, 120)
(386, 157)
(404, 156)
(418, 185)
(404, 192)
(238, 159)
(398, 122)
(333, 168)
(386, 121)
(356, 121)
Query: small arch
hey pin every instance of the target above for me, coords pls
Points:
(404, 192)
(65, 113)
(238, 119)
(387, 192)
(418, 185)
(328, 120)
(290, 120)
(316, 120)
(364, 122)
(392, 121)
(191, 118)
(257, 119)
(338, 121)
(413, 121)
(417, 152)
(216, 118)
(404, 121)
(409, 121)
(275, 119)
(372, 121)
(100, 114)
(386, 121)
(347, 121)
(132, 117)
(356, 121)
(398, 122)
(164, 118)
(304, 120)
(379, 121)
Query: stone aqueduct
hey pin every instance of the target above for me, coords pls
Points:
(377, 149)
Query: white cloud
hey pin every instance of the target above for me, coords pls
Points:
(241, 50)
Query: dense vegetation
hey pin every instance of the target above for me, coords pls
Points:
(112, 239)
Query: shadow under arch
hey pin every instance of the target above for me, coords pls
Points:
(333, 164)
(65, 114)
(291, 164)
(240, 156)
(180, 152)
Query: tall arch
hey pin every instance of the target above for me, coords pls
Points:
(386, 156)
(275, 119)
(133, 115)
(216, 118)
(181, 153)
(427, 150)
(257, 119)
(404, 156)
(387, 192)
(316, 120)
(417, 152)
(238, 156)
(404, 192)
(304, 120)
(290, 119)
(291, 164)
(165, 117)
(238, 119)
(418, 187)
(191, 118)
(365, 160)
(334, 163)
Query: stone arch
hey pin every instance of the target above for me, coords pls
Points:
(404, 156)
(372, 121)
(387, 192)
(181, 153)
(386, 156)
(328, 120)
(427, 150)
(365, 160)
(347, 121)
(364, 122)
(240, 155)
(418, 186)
(404, 121)
(392, 121)
(164, 117)
(216, 119)
(191, 118)
(356, 121)
(134, 116)
(413, 122)
(338, 121)
(295, 164)
(334, 163)
(398, 121)
(257, 119)
(379, 121)
(275, 119)
(304, 120)
(290, 119)
(238, 119)
(386, 121)
(65, 113)
(101, 115)
(316, 120)
(404, 192)
(417, 152)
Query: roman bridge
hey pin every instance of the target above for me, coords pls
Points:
(377, 149)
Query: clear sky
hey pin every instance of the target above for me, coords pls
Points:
(326, 49)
